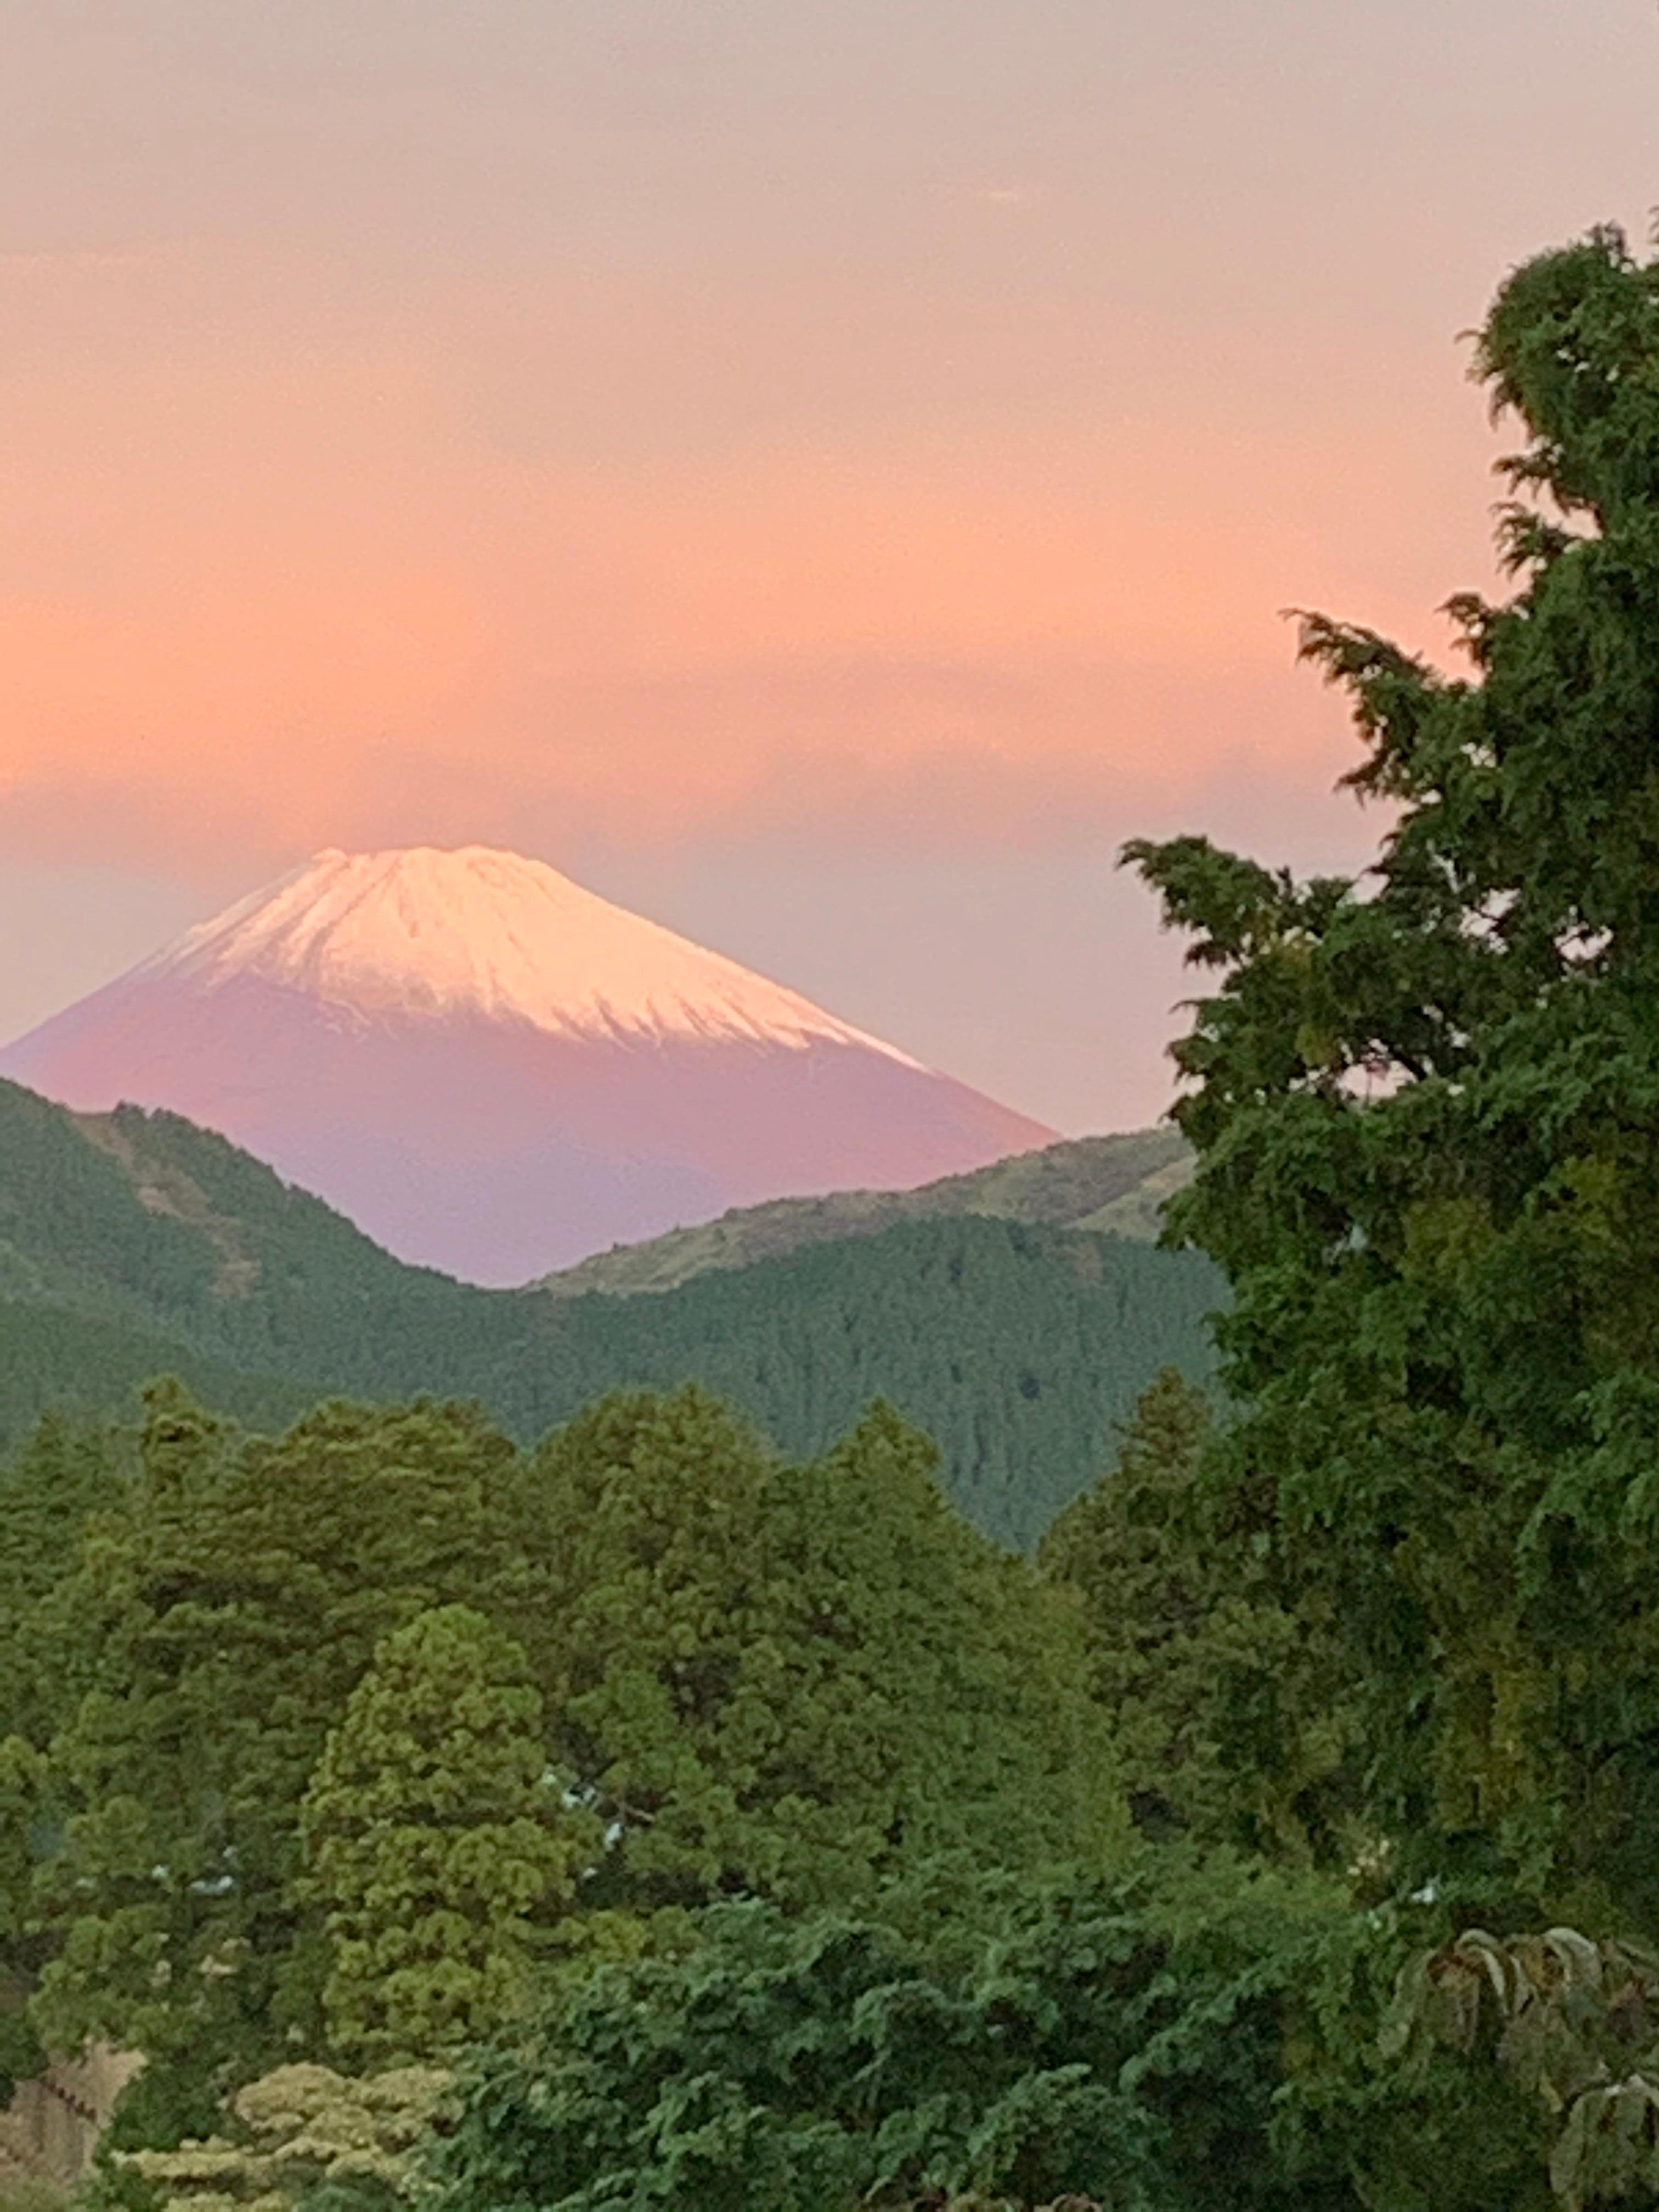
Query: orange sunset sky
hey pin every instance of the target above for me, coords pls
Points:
(822, 471)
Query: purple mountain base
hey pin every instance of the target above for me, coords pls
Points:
(497, 1150)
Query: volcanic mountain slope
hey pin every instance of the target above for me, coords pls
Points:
(495, 1073)
(134, 1243)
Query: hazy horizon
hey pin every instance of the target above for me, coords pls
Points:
(821, 477)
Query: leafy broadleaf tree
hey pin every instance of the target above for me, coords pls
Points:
(1043, 2045)
(1427, 1109)
(435, 1837)
(1574, 2024)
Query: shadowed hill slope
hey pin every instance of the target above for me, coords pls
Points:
(135, 1243)
(1112, 1184)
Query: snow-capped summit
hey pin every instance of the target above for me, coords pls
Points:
(489, 934)
(495, 1072)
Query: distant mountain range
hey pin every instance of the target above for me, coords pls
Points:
(1113, 1185)
(494, 1072)
(134, 1243)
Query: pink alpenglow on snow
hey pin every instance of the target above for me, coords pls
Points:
(495, 1072)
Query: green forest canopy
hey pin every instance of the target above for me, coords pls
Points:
(652, 1662)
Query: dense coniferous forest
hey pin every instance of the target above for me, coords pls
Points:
(649, 1813)
(1018, 1349)
(135, 1243)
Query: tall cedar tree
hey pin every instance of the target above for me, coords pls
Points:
(435, 1834)
(1219, 1692)
(1426, 1108)
(232, 1601)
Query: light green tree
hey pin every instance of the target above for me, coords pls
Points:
(435, 1837)
(304, 2134)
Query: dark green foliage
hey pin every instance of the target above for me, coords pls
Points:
(21, 1783)
(69, 1214)
(21, 2053)
(56, 1360)
(1198, 2036)
(1041, 2042)
(789, 1680)
(1135, 1548)
(1230, 1707)
(173, 2098)
(23, 1779)
(233, 1600)
(1426, 1109)
(136, 1244)
(1017, 1348)
(67, 1472)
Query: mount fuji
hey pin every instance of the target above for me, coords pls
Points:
(495, 1073)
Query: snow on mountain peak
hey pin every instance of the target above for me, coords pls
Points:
(422, 933)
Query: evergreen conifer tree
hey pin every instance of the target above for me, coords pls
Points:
(789, 1680)
(1426, 1111)
(230, 1605)
(1230, 1711)
(434, 1837)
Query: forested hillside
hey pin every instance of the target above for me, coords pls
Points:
(1018, 1349)
(135, 1243)
(1114, 1184)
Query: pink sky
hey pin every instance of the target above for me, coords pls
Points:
(824, 473)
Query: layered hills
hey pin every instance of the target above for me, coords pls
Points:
(134, 1243)
(1115, 1185)
(495, 1073)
